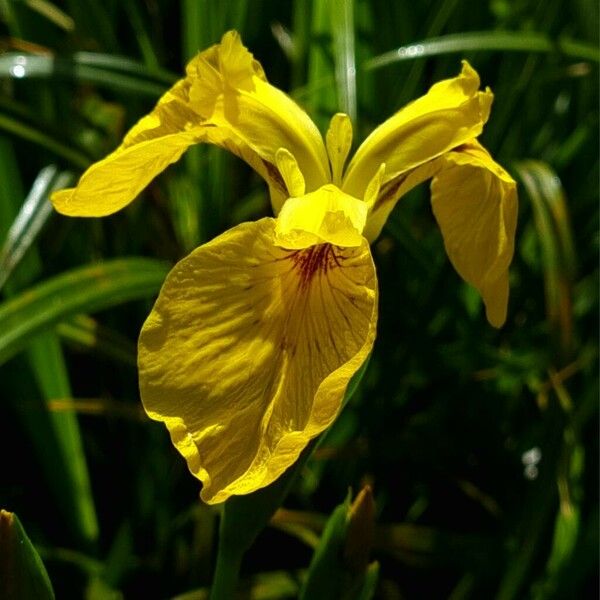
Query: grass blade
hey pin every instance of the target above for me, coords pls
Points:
(142, 36)
(320, 89)
(552, 223)
(72, 486)
(17, 121)
(94, 21)
(56, 438)
(503, 41)
(85, 289)
(123, 64)
(342, 20)
(31, 219)
(83, 331)
(52, 13)
(112, 72)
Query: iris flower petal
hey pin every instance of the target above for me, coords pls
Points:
(389, 193)
(262, 116)
(451, 113)
(249, 349)
(325, 216)
(156, 141)
(224, 100)
(339, 141)
(474, 202)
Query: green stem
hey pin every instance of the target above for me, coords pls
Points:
(244, 517)
(227, 571)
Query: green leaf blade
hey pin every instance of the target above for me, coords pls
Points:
(86, 289)
(22, 572)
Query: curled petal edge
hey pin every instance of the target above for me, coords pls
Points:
(256, 459)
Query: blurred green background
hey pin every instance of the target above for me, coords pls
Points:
(481, 445)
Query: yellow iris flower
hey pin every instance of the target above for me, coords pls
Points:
(249, 349)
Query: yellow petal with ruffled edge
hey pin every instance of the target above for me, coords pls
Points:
(474, 202)
(249, 349)
(451, 113)
(226, 92)
(325, 216)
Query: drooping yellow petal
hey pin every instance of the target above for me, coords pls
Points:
(249, 349)
(450, 114)
(227, 92)
(325, 216)
(474, 202)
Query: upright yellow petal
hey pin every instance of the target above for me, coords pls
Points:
(290, 172)
(227, 92)
(474, 202)
(339, 142)
(451, 113)
(388, 194)
(249, 349)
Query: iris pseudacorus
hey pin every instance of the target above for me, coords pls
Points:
(249, 349)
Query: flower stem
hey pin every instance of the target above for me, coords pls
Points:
(227, 573)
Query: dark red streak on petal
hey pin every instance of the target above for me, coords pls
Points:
(275, 176)
(316, 259)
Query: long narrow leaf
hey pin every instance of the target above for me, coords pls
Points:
(52, 13)
(113, 73)
(86, 332)
(504, 41)
(31, 219)
(85, 289)
(55, 438)
(342, 20)
(553, 228)
(16, 124)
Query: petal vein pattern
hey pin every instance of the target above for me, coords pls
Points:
(249, 349)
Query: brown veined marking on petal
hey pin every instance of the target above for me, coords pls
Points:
(311, 286)
(275, 175)
(309, 266)
(310, 261)
(389, 190)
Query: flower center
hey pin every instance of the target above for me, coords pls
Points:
(326, 215)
